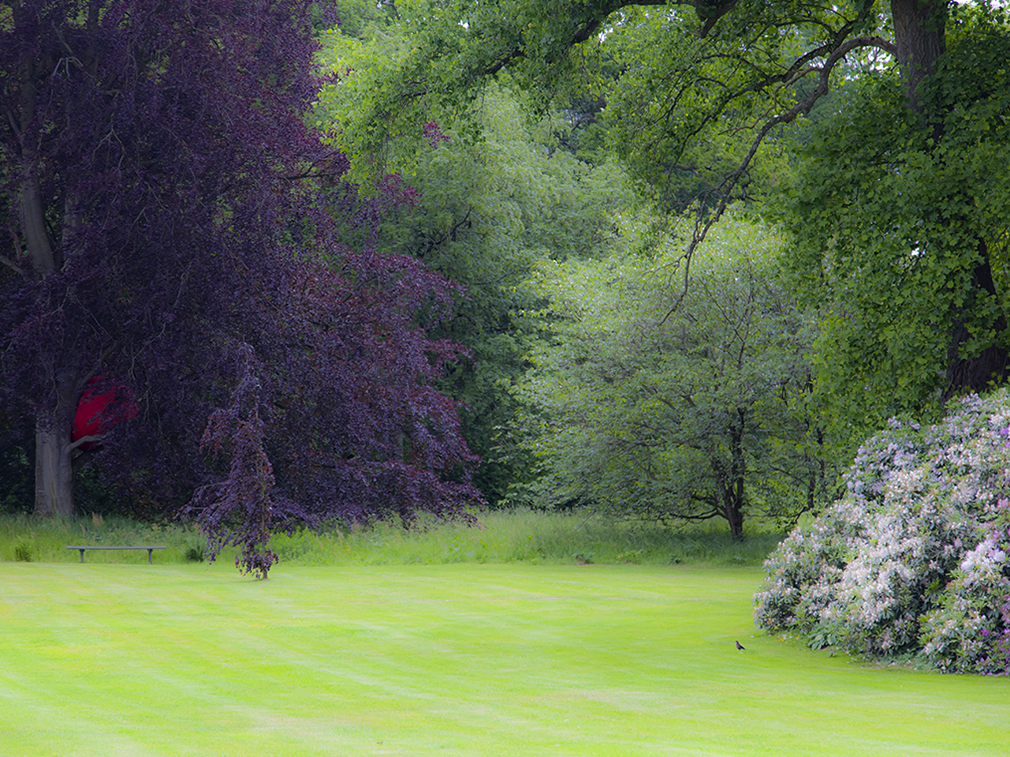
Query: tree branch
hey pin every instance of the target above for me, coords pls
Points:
(704, 223)
(12, 265)
(85, 440)
(587, 28)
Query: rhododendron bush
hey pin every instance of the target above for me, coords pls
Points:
(913, 557)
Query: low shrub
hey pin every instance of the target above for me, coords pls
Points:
(913, 558)
(196, 552)
(23, 551)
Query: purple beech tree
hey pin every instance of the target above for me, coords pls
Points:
(163, 229)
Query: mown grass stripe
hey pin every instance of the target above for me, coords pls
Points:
(448, 660)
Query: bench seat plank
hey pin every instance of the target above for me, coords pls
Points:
(150, 549)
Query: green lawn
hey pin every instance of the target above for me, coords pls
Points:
(131, 659)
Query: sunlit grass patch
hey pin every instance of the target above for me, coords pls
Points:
(467, 660)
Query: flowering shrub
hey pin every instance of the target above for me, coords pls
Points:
(913, 557)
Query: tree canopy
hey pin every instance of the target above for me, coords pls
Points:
(691, 411)
(703, 90)
(484, 213)
(902, 229)
(160, 192)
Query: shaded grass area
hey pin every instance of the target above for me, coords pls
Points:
(472, 660)
(522, 536)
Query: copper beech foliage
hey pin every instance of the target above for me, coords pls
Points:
(171, 223)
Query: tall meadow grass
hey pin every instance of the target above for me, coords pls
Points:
(515, 536)
(24, 538)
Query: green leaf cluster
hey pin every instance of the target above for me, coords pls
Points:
(484, 213)
(671, 402)
(894, 219)
(683, 110)
(679, 109)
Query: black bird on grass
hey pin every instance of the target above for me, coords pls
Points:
(740, 646)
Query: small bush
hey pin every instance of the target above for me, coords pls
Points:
(913, 558)
(23, 552)
(196, 553)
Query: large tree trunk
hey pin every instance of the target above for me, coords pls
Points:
(919, 36)
(976, 373)
(54, 478)
(54, 471)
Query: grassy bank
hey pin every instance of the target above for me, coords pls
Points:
(467, 660)
(500, 537)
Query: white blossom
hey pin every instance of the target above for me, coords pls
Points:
(909, 557)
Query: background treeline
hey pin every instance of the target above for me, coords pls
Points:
(598, 377)
(692, 260)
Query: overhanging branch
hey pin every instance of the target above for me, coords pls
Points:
(800, 69)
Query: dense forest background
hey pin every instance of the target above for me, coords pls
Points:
(358, 260)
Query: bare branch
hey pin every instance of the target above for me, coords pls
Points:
(90, 439)
(12, 265)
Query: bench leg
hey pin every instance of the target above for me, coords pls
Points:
(149, 562)
(82, 555)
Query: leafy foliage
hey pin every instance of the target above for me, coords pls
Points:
(639, 91)
(695, 100)
(913, 557)
(486, 216)
(663, 117)
(676, 409)
(240, 509)
(482, 214)
(894, 227)
(159, 190)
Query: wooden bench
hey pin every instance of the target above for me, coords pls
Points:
(149, 549)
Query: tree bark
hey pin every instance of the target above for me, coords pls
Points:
(735, 492)
(919, 36)
(40, 251)
(734, 516)
(730, 482)
(975, 374)
(54, 471)
(54, 479)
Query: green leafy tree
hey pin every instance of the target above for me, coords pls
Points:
(720, 80)
(691, 411)
(483, 213)
(902, 229)
(622, 82)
